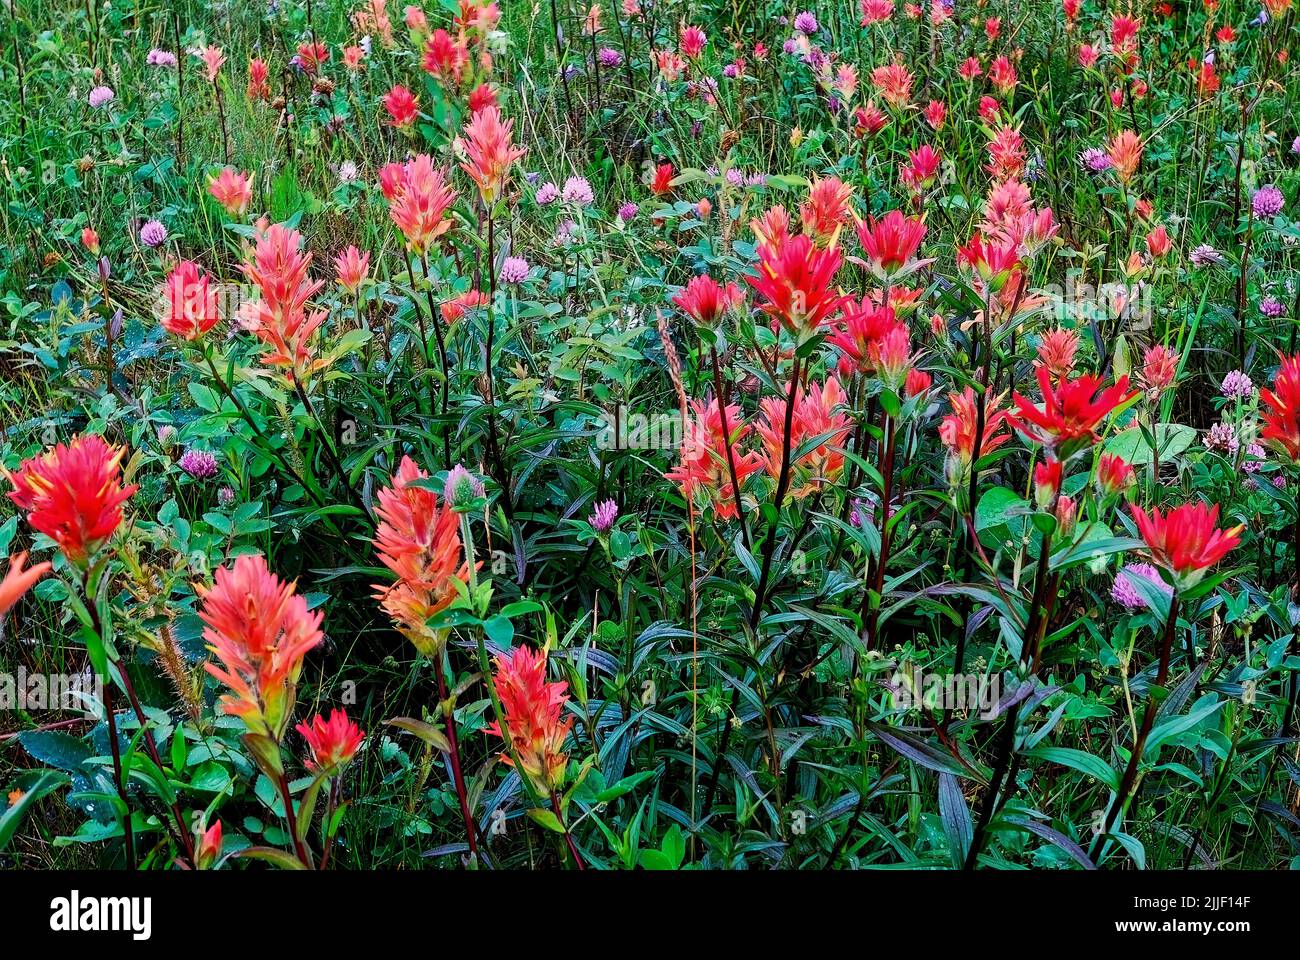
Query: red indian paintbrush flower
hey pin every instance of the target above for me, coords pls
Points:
(703, 464)
(420, 542)
(1071, 411)
(490, 152)
(1186, 541)
(260, 629)
(704, 300)
(18, 581)
(445, 57)
(190, 303)
(532, 710)
(891, 242)
(73, 494)
(1282, 420)
(208, 850)
(403, 107)
(332, 742)
(796, 280)
(281, 318)
(419, 198)
(1114, 475)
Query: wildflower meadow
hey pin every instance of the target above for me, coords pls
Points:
(604, 435)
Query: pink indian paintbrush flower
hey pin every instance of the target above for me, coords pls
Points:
(232, 190)
(490, 152)
(351, 267)
(191, 307)
(282, 319)
(420, 197)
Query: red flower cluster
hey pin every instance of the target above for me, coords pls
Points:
(73, 494)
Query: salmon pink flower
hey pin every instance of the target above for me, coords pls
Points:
(332, 742)
(869, 120)
(281, 318)
(419, 198)
(191, 308)
(1002, 75)
(90, 240)
(17, 580)
(232, 190)
(959, 429)
(827, 209)
(213, 60)
(312, 56)
(1125, 153)
(935, 113)
(482, 96)
(917, 383)
(259, 82)
(533, 712)
(419, 541)
(1158, 242)
(1159, 369)
(260, 630)
(818, 412)
(73, 494)
(1071, 411)
(1186, 541)
(894, 84)
(490, 152)
(351, 267)
(702, 466)
(1282, 419)
(1056, 352)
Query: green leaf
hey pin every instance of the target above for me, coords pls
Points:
(1086, 763)
(34, 785)
(546, 819)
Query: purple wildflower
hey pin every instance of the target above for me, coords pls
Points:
(514, 270)
(578, 190)
(1267, 202)
(627, 211)
(100, 96)
(462, 488)
(806, 23)
(546, 194)
(1237, 386)
(1127, 595)
(199, 464)
(602, 519)
(153, 233)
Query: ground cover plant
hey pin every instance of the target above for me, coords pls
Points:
(649, 434)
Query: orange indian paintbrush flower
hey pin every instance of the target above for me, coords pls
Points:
(73, 494)
(490, 152)
(703, 463)
(18, 581)
(819, 411)
(532, 710)
(1186, 541)
(260, 629)
(420, 542)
